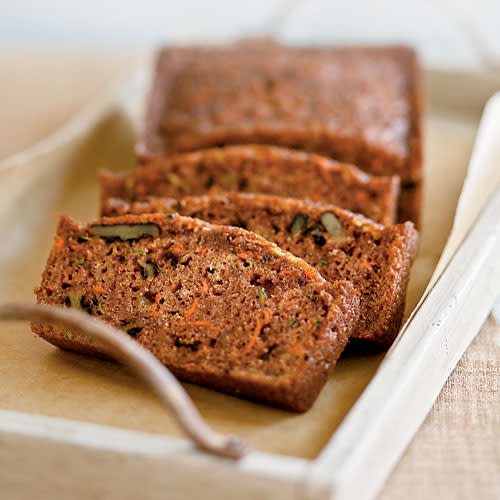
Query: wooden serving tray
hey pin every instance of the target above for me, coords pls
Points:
(77, 427)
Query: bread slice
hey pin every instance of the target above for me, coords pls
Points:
(261, 169)
(219, 306)
(359, 105)
(338, 243)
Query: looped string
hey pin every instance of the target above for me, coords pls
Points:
(121, 347)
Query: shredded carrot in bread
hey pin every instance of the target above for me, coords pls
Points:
(51, 289)
(154, 313)
(201, 251)
(58, 244)
(192, 309)
(158, 298)
(99, 289)
(364, 265)
(204, 286)
(252, 341)
(226, 269)
(286, 271)
(297, 347)
(243, 256)
(177, 250)
(267, 316)
(173, 286)
(206, 324)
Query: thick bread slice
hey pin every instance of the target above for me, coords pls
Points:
(260, 169)
(338, 243)
(218, 305)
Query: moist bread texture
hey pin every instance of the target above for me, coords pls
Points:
(360, 105)
(338, 243)
(218, 305)
(260, 169)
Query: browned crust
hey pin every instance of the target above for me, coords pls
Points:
(394, 298)
(116, 207)
(296, 392)
(318, 178)
(149, 140)
(410, 199)
(415, 135)
(371, 158)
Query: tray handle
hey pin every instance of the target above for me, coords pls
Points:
(122, 348)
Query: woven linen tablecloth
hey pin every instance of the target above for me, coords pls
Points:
(456, 452)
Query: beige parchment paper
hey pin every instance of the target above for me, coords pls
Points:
(60, 177)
